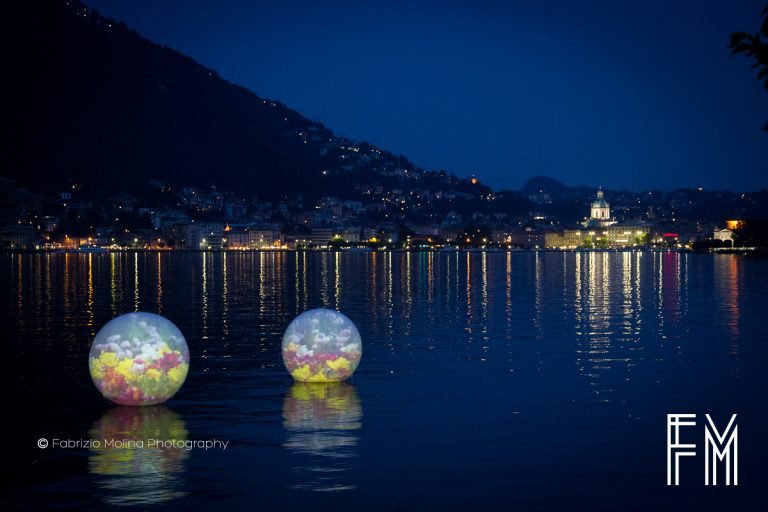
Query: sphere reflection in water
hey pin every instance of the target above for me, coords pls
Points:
(139, 359)
(321, 420)
(321, 345)
(136, 473)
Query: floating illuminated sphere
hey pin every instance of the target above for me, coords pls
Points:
(139, 359)
(321, 345)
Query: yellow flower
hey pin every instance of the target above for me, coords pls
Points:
(96, 371)
(153, 373)
(292, 347)
(124, 368)
(319, 377)
(108, 359)
(341, 363)
(163, 349)
(302, 373)
(178, 374)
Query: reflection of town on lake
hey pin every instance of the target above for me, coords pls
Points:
(606, 299)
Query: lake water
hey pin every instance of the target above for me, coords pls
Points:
(531, 380)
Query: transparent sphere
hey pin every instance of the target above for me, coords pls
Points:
(139, 359)
(321, 345)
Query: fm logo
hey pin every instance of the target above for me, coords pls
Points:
(720, 449)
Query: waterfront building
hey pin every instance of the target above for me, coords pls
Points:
(263, 238)
(203, 235)
(724, 235)
(237, 239)
(528, 238)
(321, 236)
(17, 236)
(627, 234)
(566, 239)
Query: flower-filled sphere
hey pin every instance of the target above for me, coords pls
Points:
(321, 345)
(139, 359)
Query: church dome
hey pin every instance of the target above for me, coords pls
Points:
(600, 201)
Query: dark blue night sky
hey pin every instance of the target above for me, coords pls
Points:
(632, 95)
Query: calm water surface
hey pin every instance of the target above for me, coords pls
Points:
(497, 380)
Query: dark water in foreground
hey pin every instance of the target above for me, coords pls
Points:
(503, 381)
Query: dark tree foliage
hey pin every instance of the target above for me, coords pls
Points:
(754, 46)
(753, 234)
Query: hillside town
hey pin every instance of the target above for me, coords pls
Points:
(253, 174)
(460, 214)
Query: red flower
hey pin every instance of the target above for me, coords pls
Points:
(169, 360)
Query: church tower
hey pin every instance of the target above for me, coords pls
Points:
(601, 210)
(599, 213)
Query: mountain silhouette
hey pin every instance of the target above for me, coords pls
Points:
(90, 101)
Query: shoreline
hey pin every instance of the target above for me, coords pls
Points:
(105, 250)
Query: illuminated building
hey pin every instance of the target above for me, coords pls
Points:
(600, 213)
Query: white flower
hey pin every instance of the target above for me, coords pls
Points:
(153, 334)
(114, 338)
(352, 347)
(304, 351)
(149, 352)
